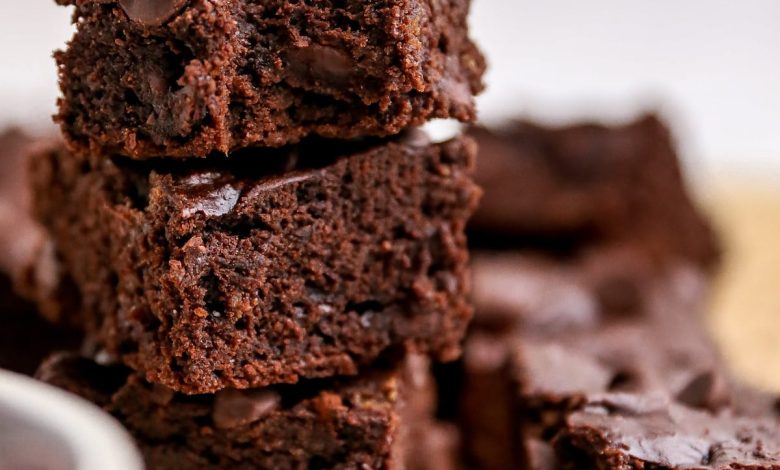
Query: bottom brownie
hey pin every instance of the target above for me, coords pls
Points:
(381, 420)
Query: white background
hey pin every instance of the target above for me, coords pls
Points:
(712, 66)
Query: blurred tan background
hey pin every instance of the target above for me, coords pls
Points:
(710, 66)
(746, 308)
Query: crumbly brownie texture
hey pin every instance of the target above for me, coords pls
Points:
(558, 340)
(216, 275)
(622, 431)
(182, 78)
(564, 188)
(378, 421)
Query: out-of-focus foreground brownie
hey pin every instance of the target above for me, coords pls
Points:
(212, 275)
(561, 188)
(22, 240)
(25, 337)
(182, 78)
(382, 420)
(555, 341)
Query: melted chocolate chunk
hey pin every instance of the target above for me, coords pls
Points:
(234, 408)
(324, 64)
(151, 12)
(706, 390)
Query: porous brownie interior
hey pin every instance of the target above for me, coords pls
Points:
(211, 276)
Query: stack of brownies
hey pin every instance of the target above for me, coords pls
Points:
(266, 252)
(267, 255)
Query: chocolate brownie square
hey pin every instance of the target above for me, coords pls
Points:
(623, 431)
(183, 78)
(549, 335)
(559, 189)
(383, 419)
(227, 273)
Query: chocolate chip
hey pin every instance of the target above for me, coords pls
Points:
(619, 296)
(624, 380)
(323, 64)
(151, 12)
(234, 408)
(705, 390)
(161, 395)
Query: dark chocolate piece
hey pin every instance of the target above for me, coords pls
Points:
(234, 408)
(168, 78)
(224, 274)
(151, 12)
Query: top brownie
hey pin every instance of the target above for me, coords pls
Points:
(562, 189)
(182, 78)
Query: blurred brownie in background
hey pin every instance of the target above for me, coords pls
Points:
(623, 431)
(590, 276)
(25, 337)
(559, 189)
(552, 342)
(548, 334)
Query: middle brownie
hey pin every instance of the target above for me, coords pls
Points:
(205, 275)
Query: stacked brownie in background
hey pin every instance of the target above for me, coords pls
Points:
(588, 349)
(266, 253)
(25, 337)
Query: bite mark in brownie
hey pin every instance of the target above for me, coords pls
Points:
(192, 78)
(381, 420)
(211, 275)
